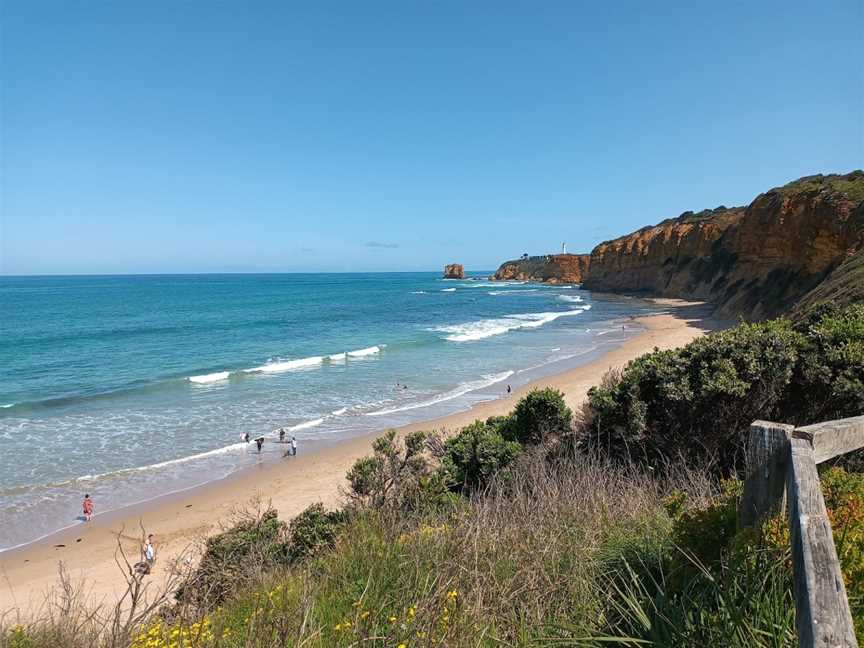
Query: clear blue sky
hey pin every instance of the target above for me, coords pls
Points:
(200, 136)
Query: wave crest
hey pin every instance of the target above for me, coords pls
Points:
(209, 378)
(479, 330)
(359, 353)
(461, 390)
(286, 365)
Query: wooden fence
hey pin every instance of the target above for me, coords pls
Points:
(781, 465)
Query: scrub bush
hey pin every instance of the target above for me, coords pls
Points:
(697, 402)
(476, 454)
(538, 414)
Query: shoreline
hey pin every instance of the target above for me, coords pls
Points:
(184, 517)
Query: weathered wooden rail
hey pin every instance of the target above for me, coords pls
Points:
(782, 474)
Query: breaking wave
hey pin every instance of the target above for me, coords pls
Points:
(461, 390)
(364, 352)
(209, 378)
(479, 330)
(286, 365)
(306, 425)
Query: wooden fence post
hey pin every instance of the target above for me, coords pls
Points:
(765, 486)
(822, 613)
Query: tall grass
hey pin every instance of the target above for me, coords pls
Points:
(579, 553)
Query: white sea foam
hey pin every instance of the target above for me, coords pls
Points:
(234, 447)
(418, 292)
(448, 290)
(286, 365)
(518, 291)
(570, 298)
(606, 331)
(364, 352)
(586, 307)
(336, 357)
(7, 405)
(209, 378)
(306, 425)
(339, 412)
(479, 330)
(461, 390)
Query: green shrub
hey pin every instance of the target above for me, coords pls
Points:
(17, 637)
(697, 401)
(828, 381)
(538, 414)
(705, 533)
(477, 453)
(392, 473)
(313, 530)
(257, 541)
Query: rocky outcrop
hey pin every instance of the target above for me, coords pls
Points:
(756, 261)
(454, 271)
(552, 268)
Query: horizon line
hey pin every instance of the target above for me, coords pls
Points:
(186, 274)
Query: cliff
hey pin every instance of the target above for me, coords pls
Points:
(757, 261)
(553, 268)
(454, 271)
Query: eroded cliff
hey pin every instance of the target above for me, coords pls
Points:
(756, 261)
(552, 268)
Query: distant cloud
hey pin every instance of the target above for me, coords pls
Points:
(378, 244)
(307, 249)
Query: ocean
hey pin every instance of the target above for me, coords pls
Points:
(131, 387)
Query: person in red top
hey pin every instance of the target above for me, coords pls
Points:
(88, 508)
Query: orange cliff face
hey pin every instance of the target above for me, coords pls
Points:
(552, 268)
(756, 261)
(656, 259)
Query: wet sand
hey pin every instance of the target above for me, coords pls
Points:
(179, 520)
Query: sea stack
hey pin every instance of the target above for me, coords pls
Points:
(454, 271)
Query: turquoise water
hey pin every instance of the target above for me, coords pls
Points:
(129, 387)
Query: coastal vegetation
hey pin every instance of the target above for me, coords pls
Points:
(693, 402)
(613, 526)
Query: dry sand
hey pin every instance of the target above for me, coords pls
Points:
(88, 551)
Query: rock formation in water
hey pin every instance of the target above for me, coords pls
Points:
(552, 268)
(756, 261)
(454, 271)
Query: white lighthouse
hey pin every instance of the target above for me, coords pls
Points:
(563, 248)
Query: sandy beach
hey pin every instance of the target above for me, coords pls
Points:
(179, 520)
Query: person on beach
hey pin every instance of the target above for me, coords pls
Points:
(149, 551)
(245, 437)
(259, 442)
(281, 435)
(293, 446)
(143, 567)
(87, 507)
(509, 391)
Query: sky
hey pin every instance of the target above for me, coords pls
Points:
(229, 136)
